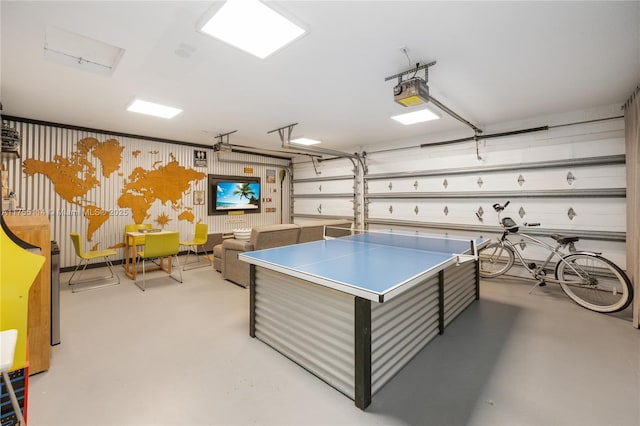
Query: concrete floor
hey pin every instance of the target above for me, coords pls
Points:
(180, 354)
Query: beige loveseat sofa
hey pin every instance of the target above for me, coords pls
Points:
(226, 254)
(314, 231)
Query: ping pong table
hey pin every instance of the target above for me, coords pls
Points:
(355, 310)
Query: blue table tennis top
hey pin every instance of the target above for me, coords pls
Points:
(375, 266)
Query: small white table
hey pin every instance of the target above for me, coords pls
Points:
(8, 339)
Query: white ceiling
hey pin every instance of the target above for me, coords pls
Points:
(496, 62)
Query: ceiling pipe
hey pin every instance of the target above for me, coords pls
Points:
(243, 149)
(518, 132)
(488, 136)
(453, 114)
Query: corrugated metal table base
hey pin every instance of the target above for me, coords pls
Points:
(354, 344)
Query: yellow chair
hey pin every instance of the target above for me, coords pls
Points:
(137, 241)
(158, 246)
(199, 239)
(85, 258)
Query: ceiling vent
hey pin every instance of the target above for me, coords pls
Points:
(80, 52)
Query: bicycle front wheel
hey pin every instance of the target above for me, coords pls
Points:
(495, 259)
(594, 282)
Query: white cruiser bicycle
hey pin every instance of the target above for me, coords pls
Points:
(589, 279)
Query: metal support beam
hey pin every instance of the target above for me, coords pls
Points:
(223, 142)
(286, 143)
(586, 234)
(222, 136)
(453, 114)
(314, 161)
(549, 193)
(413, 70)
(574, 162)
(325, 179)
(280, 130)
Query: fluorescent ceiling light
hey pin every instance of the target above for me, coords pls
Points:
(251, 26)
(416, 116)
(157, 110)
(305, 141)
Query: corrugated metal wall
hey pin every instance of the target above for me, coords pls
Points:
(459, 290)
(310, 324)
(36, 194)
(400, 328)
(314, 325)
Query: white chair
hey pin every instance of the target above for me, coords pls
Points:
(8, 339)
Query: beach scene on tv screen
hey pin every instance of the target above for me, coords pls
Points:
(236, 195)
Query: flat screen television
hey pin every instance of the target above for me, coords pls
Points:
(232, 194)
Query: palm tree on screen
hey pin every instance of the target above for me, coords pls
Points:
(245, 191)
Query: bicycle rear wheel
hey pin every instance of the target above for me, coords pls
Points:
(495, 259)
(594, 282)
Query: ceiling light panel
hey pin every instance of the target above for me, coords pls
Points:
(414, 117)
(251, 26)
(150, 108)
(305, 141)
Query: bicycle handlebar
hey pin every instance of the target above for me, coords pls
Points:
(497, 207)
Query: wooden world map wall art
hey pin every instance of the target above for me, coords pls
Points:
(74, 176)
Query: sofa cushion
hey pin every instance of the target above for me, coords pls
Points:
(240, 245)
(264, 237)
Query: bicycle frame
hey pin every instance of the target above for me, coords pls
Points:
(538, 272)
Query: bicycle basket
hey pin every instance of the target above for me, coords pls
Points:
(510, 225)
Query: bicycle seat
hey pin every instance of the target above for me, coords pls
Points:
(510, 225)
(564, 240)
